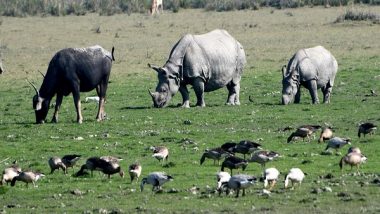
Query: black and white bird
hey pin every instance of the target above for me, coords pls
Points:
(263, 156)
(246, 147)
(98, 164)
(9, 173)
(228, 147)
(70, 160)
(222, 177)
(160, 153)
(237, 183)
(135, 171)
(156, 179)
(337, 143)
(270, 177)
(27, 177)
(215, 154)
(234, 162)
(366, 128)
(301, 132)
(56, 163)
(295, 176)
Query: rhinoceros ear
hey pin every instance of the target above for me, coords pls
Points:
(283, 71)
(156, 68)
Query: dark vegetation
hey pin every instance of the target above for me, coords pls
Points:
(356, 15)
(22, 8)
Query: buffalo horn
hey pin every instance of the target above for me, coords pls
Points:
(42, 74)
(283, 71)
(35, 88)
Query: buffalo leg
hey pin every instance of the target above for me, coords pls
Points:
(233, 94)
(199, 87)
(312, 86)
(326, 94)
(77, 104)
(185, 96)
(58, 103)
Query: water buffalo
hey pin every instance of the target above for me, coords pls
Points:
(74, 70)
(207, 62)
(312, 68)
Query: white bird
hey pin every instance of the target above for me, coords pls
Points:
(9, 173)
(56, 163)
(156, 179)
(295, 176)
(135, 171)
(337, 143)
(222, 177)
(27, 177)
(238, 182)
(270, 177)
(160, 153)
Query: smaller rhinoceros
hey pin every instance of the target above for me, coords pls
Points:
(312, 68)
(207, 62)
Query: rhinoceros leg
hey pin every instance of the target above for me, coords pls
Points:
(326, 93)
(233, 94)
(312, 86)
(199, 88)
(185, 96)
(58, 103)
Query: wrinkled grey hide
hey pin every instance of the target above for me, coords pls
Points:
(207, 62)
(312, 68)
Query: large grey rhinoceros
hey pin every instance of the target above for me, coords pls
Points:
(312, 68)
(207, 62)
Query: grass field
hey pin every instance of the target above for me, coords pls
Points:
(269, 37)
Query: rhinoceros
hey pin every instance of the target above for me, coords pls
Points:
(312, 68)
(207, 62)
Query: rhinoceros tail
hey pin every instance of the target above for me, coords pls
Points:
(113, 49)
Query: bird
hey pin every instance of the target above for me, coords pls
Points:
(97, 164)
(354, 149)
(56, 163)
(295, 176)
(229, 146)
(246, 147)
(160, 153)
(366, 128)
(156, 179)
(263, 156)
(237, 183)
(111, 159)
(337, 143)
(270, 177)
(9, 173)
(222, 177)
(70, 160)
(215, 154)
(300, 132)
(234, 162)
(135, 171)
(352, 159)
(326, 134)
(27, 177)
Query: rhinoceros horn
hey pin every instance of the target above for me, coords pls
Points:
(150, 93)
(35, 88)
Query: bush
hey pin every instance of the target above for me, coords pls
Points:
(352, 15)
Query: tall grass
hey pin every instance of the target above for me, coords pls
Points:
(22, 8)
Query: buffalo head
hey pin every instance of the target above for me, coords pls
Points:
(168, 85)
(40, 106)
(290, 85)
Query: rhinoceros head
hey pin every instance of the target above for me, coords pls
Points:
(168, 85)
(40, 106)
(290, 83)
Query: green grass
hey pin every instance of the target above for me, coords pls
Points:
(27, 45)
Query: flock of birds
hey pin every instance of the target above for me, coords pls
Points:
(226, 182)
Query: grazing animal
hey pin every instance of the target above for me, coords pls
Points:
(312, 68)
(263, 156)
(74, 70)
(353, 159)
(337, 143)
(9, 173)
(160, 153)
(70, 160)
(207, 62)
(270, 177)
(301, 132)
(246, 147)
(215, 154)
(229, 146)
(354, 149)
(156, 6)
(366, 128)
(56, 163)
(134, 171)
(222, 177)
(295, 176)
(27, 177)
(237, 183)
(326, 134)
(233, 162)
(156, 179)
(98, 164)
